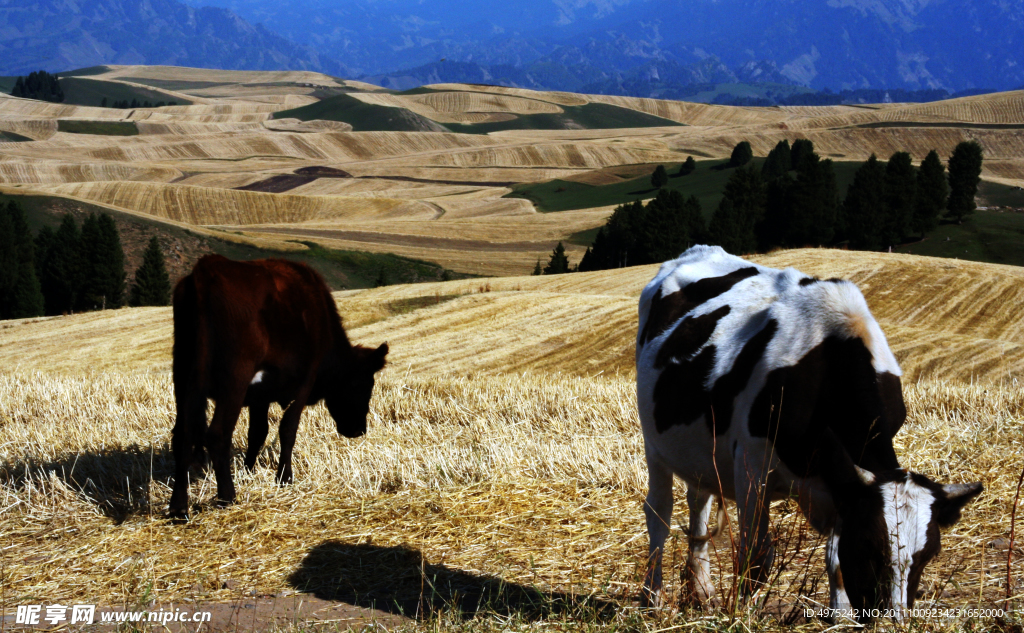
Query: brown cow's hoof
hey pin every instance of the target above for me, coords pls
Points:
(177, 517)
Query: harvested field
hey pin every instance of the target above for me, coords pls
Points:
(503, 451)
(201, 205)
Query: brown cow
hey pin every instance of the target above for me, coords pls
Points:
(252, 333)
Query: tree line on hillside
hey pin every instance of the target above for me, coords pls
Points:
(124, 104)
(792, 200)
(39, 85)
(72, 269)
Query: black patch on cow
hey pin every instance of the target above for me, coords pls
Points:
(931, 549)
(834, 386)
(807, 281)
(680, 396)
(689, 336)
(666, 310)
(864, 550)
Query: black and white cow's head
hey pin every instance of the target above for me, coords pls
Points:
(890, 531)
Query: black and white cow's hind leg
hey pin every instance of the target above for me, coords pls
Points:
(658, 512)
(696, 577)
(838, 601)
(751, 472)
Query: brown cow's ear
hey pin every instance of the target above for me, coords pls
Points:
(378, 358)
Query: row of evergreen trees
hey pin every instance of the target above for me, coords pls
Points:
(124, 104)
(72, 269)
(39, 85)
(793, 201)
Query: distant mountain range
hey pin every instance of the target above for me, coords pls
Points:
(836, 44)
(666, 48)
(57, 35)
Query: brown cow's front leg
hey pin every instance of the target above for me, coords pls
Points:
(218, 442)
(258, 427)
(288, 430)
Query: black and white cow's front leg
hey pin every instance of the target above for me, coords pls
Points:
(658, 512)
(697, 587)
(838, 601)
(751, 471)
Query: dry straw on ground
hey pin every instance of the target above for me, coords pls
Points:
(492, 484)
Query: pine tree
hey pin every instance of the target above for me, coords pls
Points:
(152, 286)
(778, 163)
(812, 201)
(537, 270)
(864, 208)
(102, 260)
(932, 192)
(559, 262)
(687, 167)
(741, 209)
(660, 177)
(802, 151)
(26, 298)
(59, 266)
(693, 219)
(741, 154)
(964, 175)
(900, 198)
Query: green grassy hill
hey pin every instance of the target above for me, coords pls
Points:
(91, 92)
(592, 116)
(363, 117)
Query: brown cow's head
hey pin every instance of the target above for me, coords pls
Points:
(349, 401)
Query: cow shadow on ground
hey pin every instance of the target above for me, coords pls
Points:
(400, 581)
(121, 483)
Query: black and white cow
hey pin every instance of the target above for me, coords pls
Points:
(756, 384)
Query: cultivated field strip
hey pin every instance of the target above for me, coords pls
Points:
(55, 172)
(558, 98)
(966, 328)
(330, 146)
(998, 108)
(203, 205)
(182, 74)
(35, 129)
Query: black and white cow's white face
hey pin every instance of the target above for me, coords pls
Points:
(890, 531)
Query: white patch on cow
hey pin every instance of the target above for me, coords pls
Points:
(907, 508)
(258, 378)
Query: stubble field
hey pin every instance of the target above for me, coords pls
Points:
(500, 484)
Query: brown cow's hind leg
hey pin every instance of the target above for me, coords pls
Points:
(187, 445)
(258, 427)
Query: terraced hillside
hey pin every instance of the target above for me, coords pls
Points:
(503, 456)
(299, 155)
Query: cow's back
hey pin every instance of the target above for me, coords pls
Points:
(229, 313)
(720, 339)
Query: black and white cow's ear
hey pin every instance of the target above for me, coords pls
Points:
(951, 501)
